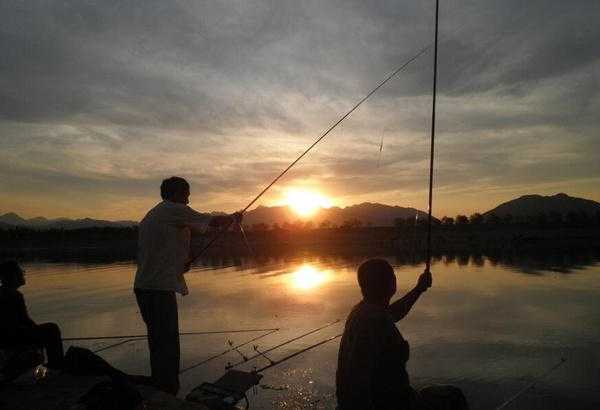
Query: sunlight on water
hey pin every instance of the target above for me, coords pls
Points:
(487, 326)
(308, 277)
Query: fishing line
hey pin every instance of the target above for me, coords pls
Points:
(210, 332)
(530, 385)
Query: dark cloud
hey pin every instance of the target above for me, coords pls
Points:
(117, 94)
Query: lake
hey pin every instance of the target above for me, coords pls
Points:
(487, 326)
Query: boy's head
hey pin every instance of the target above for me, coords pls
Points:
(377, 280)
(11, 274)
(175, 189)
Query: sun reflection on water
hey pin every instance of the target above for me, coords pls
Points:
(307, 277)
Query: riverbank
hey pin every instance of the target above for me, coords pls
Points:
(121, 244)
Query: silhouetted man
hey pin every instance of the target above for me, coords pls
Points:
(17, 329)
(371, 372)
(163, 257)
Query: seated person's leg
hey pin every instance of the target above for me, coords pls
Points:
(46, 336)
(51, 340)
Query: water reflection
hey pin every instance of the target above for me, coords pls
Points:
(529, 262)
(485, 326)
(308, 277)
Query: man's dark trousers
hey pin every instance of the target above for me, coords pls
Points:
(159, 311)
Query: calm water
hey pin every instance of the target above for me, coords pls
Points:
(488, 328)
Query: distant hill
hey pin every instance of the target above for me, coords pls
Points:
(5, 226)
(13, 220)
(531, 205)
(373, 214)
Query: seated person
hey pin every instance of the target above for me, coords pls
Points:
(371, 373)
(17, 330)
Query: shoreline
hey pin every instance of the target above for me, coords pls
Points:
(408, 243)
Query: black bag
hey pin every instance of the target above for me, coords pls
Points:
(112, 395)
(83, 362)
(117, 394)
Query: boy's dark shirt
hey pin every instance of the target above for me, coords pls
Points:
(372, 360)
(13, 314)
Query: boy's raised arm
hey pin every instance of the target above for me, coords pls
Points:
(400, 308)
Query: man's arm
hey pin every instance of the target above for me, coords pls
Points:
(198, 222)
(221, 221)
(400, 308)
(216, 222)
(183, 216)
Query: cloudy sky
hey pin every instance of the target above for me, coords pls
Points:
(100, 100)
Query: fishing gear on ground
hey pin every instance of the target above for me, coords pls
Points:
(231, 349)
(234, 385)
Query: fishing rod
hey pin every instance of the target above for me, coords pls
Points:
(233, 386)
(116, 345)
(530, 385)
(435, 59)
(243, 232)
(288, 357)
(211, 332)
(263, 353)
(331, 128)
(231, 349)
(319, 139)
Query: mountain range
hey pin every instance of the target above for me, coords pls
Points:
(368, 213)
(12, 219)
(532, 205)
(374, 214)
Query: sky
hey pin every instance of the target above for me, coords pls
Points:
(101, 100)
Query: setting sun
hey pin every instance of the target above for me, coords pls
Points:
(307, 277)
(305, 203)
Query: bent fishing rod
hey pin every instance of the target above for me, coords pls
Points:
(264, 352)
(317, 141)
(141, 336)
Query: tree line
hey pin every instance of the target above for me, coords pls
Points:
(541, 219)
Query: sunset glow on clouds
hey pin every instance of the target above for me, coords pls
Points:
(100, 101)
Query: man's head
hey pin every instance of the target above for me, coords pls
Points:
(11, 275)
(377, 281)
(175, 189)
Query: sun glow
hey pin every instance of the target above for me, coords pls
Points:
(307, 277)
(306, 203)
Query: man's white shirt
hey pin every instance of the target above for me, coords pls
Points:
(164, 246)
